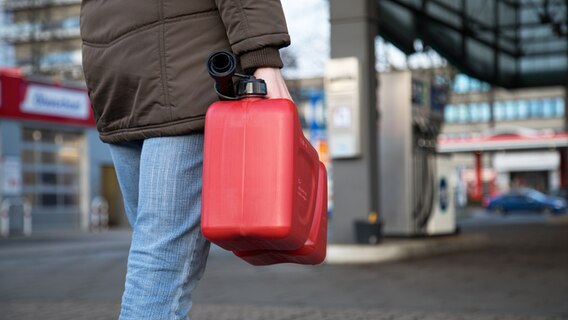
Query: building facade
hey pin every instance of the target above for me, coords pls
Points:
(528, 124)
(532, 120)
(6, 52)
(45, 36)
(51, 156)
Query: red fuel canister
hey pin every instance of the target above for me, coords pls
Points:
(314, 249)
(264, 189)
(260, 176)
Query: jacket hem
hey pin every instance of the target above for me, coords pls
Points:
(173, 128)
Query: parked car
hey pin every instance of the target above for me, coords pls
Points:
(526, 200)
(560, 192)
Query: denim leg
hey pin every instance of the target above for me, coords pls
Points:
(126, 159)
(168, 251)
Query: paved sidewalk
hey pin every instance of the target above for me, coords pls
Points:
(521, 274)
(103, 311)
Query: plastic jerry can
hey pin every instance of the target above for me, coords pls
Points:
(314, 249)
(260, 176)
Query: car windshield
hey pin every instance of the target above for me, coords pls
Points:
(562, 192)
(535, 195)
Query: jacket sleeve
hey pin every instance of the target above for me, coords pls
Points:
(256, 30)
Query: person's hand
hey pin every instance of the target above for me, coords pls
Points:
(275, 85)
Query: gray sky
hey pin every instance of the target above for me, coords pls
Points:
(308, 25)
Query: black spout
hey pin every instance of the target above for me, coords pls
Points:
(221, 66)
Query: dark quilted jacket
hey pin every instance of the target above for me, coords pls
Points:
(144, 60)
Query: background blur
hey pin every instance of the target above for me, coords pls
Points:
(444, 128)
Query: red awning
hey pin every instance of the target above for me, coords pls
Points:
(504, 142)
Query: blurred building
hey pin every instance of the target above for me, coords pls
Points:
(309, 97)
(50, 152)
(6, 52)
(528, 126)
(51, 155)
(45, 36)
(515, 135)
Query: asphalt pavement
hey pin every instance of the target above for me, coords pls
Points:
(522, 273)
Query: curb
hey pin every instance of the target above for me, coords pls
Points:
(397, 250)
(561, 219)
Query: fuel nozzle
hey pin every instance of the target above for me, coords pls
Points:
(222, 67)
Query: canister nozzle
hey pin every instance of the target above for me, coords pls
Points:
(221, 66)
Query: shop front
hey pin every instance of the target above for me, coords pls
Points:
(52, 158)
(521, 159)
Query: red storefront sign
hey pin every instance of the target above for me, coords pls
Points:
(24, 99)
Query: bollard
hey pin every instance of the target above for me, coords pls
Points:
(104, 215)
(5, 218)
(27, 208)
(94, 218)
(99, 214)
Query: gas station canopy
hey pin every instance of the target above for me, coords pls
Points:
(508, 43)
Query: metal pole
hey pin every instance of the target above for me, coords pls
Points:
(478, 175)
(104, 214)
(355, 190)
(564, 151)
(496, 53)
(463, 30)
(5, 218)
(27, 208)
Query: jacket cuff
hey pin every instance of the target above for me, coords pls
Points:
(268, 57)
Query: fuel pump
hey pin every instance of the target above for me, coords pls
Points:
(415, 181)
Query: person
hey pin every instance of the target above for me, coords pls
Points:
(145, 68)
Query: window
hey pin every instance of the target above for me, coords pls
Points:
(485, 112)
(48, 200)
(505, 110)
(461, 83)
(465, 84)
(463, 113)
(479, 112)
(535, 109)
(48, 157)
(48, 178)
(51, 175)
(559, 107)
(59, 58)
(499, 111)
(70, 23)
(472, 113)
(28, 156)
(523, 109)
(548, 108)
(510, 110)
(450, 113)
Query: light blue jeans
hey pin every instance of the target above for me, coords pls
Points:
(160, 179)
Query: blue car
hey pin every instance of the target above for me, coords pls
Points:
(526, 200)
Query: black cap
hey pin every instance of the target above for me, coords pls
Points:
(251, 87)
